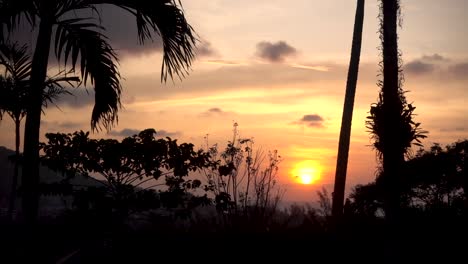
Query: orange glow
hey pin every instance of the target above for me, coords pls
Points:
(306, 172)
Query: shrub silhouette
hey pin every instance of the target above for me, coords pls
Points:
(126, 170)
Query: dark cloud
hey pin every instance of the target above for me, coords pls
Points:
(122, 32)
(426, 64)
(455, 129)
(164, 133)
(120, 29)
(434, 57)
(439, 66)
(213, 111)
(205, 49)
(418, 67)
(68, 125)
(459, 71)
(275, 52)
(78, 98)
(313, 120)
(128, 132)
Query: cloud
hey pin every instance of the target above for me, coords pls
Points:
(275, 52)
(120, 28)
(122, 32)
(205, 49)
(311, 67)
(459, 70)
(426, 64)
(434, 57)
(230, 79)
(313, 120)
(128, 132)
(225, 62)
(68, 125)
(164, 133)
(418, 67)
(439, 66)
(214, 111)
(78, 98)
(455, 129)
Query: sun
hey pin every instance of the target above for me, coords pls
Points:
(306, 178)
(306, 172)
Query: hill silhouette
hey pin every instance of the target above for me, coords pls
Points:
(48, 203)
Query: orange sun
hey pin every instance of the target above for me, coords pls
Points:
(306, 172)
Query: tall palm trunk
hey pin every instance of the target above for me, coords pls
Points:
(30, 175)
(393, 154)
(14, 181)
(346, 121)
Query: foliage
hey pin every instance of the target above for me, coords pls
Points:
(81, 43)
(243, 180)
(434, 180)
(324, 202)
(15, 90)
(365, 200)
(75, 25)
(390, 122)
(409, 131)
(128, 167)
(15, 86)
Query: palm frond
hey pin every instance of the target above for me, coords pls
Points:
(54, 86)
(166, 19)
(12, 13)
(80, 37)
(16, 60)
(14, 84)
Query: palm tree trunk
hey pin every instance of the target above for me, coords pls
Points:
(393, 153)
(30, 175)
(14, 181)
(346, 121)
(392, 150)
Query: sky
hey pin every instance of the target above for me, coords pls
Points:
(278, 69)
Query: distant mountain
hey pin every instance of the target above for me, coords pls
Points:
(47, 176)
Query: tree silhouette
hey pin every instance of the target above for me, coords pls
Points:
(126, 168)
(243, 180)
(391, 119)
(435, 178)
(345, 133)
(79, 40)
(433, 182)
(15, 88)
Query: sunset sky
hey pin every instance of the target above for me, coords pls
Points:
(278, 68)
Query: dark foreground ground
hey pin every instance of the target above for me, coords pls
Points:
(418, 241)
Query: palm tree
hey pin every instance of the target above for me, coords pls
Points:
(393, 155)
(346, 121)
(14, 88)
(80, 40)
(391, 121)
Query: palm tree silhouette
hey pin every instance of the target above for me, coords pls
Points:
(391, 122)
(345, 133)
(393, 156)
(15, 88)
(80, 42)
